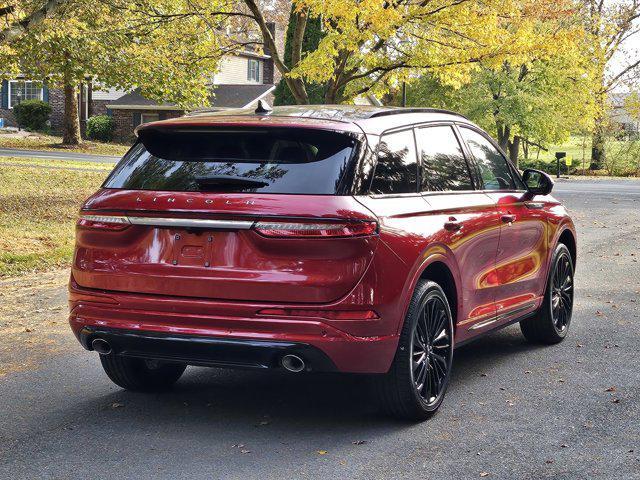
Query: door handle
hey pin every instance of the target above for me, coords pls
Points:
(452, 225)
(508, 218)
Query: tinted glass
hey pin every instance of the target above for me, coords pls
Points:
(443, 165)
(397, 168)
(299, 161)
(494, 169)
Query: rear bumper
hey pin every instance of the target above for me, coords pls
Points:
(220, 333)
(205, 351)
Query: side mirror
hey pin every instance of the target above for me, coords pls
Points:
(537, 182)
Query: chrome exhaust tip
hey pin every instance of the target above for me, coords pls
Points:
(292, 363)
(101, 346)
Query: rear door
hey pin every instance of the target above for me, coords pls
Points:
(520, 274)
(462, 218)
(243, 214)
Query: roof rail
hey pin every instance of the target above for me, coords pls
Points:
(400, 110)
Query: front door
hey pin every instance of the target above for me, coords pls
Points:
(519, 276)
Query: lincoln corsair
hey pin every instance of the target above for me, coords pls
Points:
(368, 240)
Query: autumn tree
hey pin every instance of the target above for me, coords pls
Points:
(610, 25)
(157, 46)
(370, 47)
(541, 101)
(17, 19)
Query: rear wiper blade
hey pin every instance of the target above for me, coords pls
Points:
(229, 181)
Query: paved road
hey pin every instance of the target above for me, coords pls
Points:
(84, 157)
(513, 411)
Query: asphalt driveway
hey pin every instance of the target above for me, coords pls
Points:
(513, 411)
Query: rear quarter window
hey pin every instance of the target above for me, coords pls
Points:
(397, 167)
(287, 160)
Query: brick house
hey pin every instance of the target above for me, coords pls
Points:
(244, 78)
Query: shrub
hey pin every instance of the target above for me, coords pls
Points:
(32, 114)
(100, 128)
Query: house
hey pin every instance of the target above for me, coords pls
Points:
(244, 77)
(622, 119)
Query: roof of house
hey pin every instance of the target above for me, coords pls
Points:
(355, 118)
(224, 96)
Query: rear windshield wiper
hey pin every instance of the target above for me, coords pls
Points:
(229, 181)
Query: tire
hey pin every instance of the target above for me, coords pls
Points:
(140, 375)
(550, 325)
(399, 390)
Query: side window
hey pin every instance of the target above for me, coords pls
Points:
(494, 169)
(397, 168)
(443, 165)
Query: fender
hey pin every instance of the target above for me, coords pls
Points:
(565, 224)
(437, 252)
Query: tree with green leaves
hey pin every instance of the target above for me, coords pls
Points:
(540, 101)
(610, 25)
(157, 46)
(17, 19)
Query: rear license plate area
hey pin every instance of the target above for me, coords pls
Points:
(191, 249)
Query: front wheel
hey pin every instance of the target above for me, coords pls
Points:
(415, 385)
(551, 324)
(139, 374)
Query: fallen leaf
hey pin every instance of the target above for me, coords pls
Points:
(615, 400)
(117, 405)
(564, 445)
(245, 451)
(484, 474)
(611, 389)
(322, 452)
(359, 442)
(483, 374)
(549, 462)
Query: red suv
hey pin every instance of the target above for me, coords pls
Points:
(317, 238)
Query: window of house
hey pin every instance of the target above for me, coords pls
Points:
(495, 172)
(443, 165)
(397, 167)
(253, 71)
(149, 117)
(20, 90)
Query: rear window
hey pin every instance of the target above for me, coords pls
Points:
(296, 161)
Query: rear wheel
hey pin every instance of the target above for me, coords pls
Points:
(551, 324)
(415, 385)
(138, 374)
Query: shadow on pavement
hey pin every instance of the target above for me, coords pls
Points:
(314, 400)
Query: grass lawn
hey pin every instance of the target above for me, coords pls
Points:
(53, 143)
(573, 149)
(38, 209)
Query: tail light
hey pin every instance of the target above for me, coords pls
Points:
(112, 223)
(315, 229)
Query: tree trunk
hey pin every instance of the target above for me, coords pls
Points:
(504, 132)
(514, 149)
(296, 85)
(597, 146)
(71, 132)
